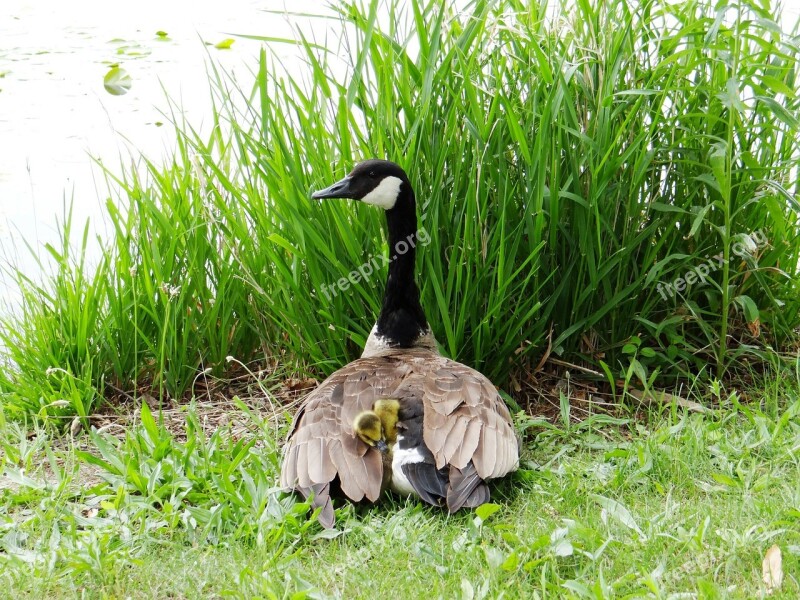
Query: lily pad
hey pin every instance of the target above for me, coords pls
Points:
(224, 44)
(117, 81)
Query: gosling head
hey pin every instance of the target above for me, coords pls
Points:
(369, 429)
(387, 410)
(378, 182)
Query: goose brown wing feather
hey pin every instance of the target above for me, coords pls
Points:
(322, 469)
(469, 442)
(486, 458)
(321, 499)
(357, 474)
(326, 515)
(456, 428)
(303, 478)
(454, 392)
(466, 489)
(321, 442)
(360, 396)
(289, 469)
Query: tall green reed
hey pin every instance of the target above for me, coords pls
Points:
(52, 366)
(567, 170)
(570, 163)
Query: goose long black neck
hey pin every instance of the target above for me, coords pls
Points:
(402, 320)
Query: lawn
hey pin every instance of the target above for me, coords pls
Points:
(663, 504)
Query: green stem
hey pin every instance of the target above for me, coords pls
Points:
(726, 210)
(162, 354)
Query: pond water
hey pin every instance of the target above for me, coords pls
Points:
(55, 114)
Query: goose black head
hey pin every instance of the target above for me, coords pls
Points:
(401, 323)
(378, 182)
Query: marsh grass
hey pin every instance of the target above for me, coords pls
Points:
(564, 167)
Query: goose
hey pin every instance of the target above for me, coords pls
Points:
(453, 430)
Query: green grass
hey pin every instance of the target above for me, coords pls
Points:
(604, 508)
(565, 170)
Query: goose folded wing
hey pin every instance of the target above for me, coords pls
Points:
(467, 421)
(430, 483)
(466, 489)
(322, 445)
(306, 459)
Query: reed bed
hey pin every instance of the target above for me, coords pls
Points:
(614, 184)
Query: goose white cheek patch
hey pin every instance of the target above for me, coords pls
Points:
(385, 194)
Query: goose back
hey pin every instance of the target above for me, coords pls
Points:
(449, 413)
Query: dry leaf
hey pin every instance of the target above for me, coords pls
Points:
(152, 403)
(772, 569)
(755, 328)
(298, 385)
(665, 398)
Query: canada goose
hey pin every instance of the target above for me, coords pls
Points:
(454, 431)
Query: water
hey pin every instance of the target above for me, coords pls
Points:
(55, 114)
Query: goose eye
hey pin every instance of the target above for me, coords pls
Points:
(372, 174)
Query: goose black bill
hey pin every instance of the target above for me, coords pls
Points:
(340, 189)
